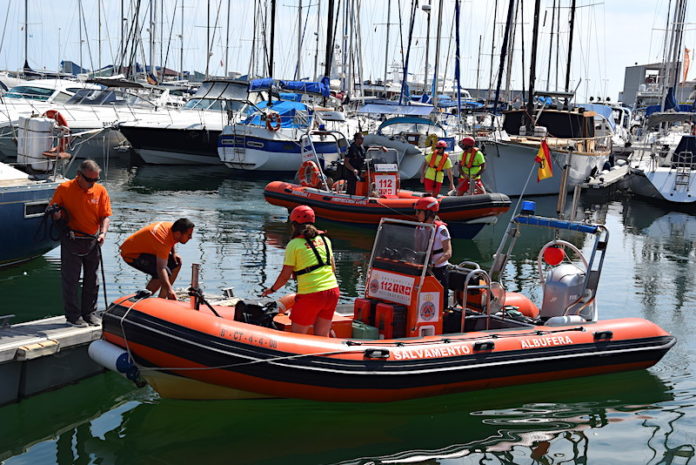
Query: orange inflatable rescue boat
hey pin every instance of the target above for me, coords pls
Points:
(397, 342)
(379, 196)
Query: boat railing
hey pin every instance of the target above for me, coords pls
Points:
(684, 160)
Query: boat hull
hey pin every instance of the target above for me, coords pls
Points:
(511, 169)
(661, 184)
(23, 229)
(465, 215)
(248, 148)
(173, 146)
(168, 337)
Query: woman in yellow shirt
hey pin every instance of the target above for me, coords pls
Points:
(309, 257)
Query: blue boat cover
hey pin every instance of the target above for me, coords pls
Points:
(385, 109)
(555, 223)
(306, 87)
(686, 144)
(285, 109)
(602, 110)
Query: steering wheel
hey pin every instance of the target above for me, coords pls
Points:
(560, 244)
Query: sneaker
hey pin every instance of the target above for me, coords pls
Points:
(79, 323)
(92, 319)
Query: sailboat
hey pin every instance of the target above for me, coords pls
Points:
(664, 171)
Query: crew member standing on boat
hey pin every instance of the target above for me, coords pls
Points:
(309, 257)
(471, 164)
(426, 212)
(151, 250)
(437, 164)
(354, 163)
(85, 207)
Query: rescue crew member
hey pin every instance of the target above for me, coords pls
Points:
(354, 163)
(151, 250)
(471, 164)
(309, 257)
(437, 163)
(426, 212)
(85, 207)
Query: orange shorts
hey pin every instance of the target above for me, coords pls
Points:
(432, 187)
(309, 307)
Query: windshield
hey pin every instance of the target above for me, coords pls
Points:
(402, 247)
(213, 104)
(411, 128)
(107, 97)
(29, 92)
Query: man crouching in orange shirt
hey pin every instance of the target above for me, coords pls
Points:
(151, 250)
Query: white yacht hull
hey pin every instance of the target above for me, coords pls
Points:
(661, 184)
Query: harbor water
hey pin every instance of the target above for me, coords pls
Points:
(642, 417)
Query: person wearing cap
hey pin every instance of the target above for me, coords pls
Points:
(471, 165)
(437, 164)
(354, 163)
(309, 257)
(426, 212)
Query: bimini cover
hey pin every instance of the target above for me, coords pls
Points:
(412, 120)
(385, 109)
(602, 110)
(292, 114)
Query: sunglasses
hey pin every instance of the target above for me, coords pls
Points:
(88, 179)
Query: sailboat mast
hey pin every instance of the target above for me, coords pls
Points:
(181, 51)
(386, 50)
(503, 53)
(316, 51)
(437, 51)
(26, 34)
(207, 42)
(79, 12)
(570, 46)
(299, 40)
(227, 40)
(548, 68)
(329, 40)
(272, 45)
(532, 69)
(427, 50)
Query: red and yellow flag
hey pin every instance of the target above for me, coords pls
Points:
(543, 157)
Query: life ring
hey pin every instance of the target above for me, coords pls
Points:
(309, 174)
(431, 140)
(273, 121)
(64, 140)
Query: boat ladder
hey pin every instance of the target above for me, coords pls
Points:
(683, 167)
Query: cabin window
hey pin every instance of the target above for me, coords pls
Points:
(34, 209)
(62, 97)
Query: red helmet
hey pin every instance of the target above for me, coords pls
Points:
(302, 215)
(468, 142)
(441, 143)
(427, 203)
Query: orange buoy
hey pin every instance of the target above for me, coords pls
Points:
(553, 255)
(523, 304)
(286, 302)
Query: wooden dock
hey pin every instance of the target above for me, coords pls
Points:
(42, 355)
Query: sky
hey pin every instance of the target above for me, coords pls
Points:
(609, 35)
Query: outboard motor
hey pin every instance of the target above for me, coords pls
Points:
(565, 295)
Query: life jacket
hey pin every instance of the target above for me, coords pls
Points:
(441, 165)
(468, 161)
(437, 224)
(320, 262)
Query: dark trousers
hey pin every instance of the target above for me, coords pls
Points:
(78, 255)
(351, 179)
(442, 275)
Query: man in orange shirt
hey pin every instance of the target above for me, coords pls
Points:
(85, 207)
(151, 250)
